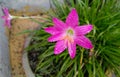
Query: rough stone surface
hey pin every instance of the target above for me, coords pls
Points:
(17, 39)
(17, 4)
(4, 51)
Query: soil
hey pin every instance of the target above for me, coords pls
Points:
(33, 59)
(16, 40)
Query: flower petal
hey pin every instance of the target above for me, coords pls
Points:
(84, 42)
(72, 19)
(55, 37)
(72, 49)
(60, 47)
(6, 11)
(59, 25)
(3, 17)
(51, 30)
(7, 23)
(82, 30)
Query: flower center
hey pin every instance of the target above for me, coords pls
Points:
(70, 32)
(68, 35)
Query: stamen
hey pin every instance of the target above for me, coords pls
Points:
(70, 32)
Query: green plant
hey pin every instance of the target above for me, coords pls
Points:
(104, 15)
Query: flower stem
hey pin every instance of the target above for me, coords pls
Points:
(30, 17)
(90, 55)
(27, 17)
(81, 59)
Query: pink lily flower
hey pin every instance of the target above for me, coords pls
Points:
(7, 17)
(69, 34)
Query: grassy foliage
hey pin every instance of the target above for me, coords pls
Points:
(104, 15)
